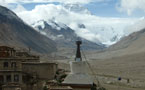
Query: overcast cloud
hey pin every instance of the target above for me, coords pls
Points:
(123, 5)
(130, 6)
(94, 24)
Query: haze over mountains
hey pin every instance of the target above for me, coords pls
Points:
(131, 46)
(86, 25)
(134, 43)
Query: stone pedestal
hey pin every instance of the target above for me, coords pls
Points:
(78, 67)
(79, 74)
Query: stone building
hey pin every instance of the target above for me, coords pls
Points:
(18, 69)
(10, 66)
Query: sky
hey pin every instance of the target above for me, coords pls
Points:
(111, 9)
(106, 18)
(104, 8)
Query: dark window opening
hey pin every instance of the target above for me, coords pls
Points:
(1, 78)
(13, 64)
(6, 64)
(8, 78)
(16, 78)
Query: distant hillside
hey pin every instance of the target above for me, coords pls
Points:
(129, 45)
(14, 32)
(133, 43)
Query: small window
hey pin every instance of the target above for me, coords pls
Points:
(13, 64)
(16, 78)
(1, 78)
(6, 64)
(8, 78)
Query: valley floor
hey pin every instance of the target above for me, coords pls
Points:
(130, 67)
(115, 87)
(108, 68)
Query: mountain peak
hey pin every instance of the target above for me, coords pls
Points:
(8, 13)
(77, 8)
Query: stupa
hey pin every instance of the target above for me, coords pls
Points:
(78, 78)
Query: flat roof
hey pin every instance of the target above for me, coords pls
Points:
(35, 63)
(60, 88)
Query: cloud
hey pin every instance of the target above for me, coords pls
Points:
(9, 1)
(130, 6)
(19, 8)
(97, 28)
(48, 1)
(2, 3)
(139, 25)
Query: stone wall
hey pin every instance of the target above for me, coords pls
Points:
(45, 71)
(11, 87)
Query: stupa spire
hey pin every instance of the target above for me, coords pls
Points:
(78, 52)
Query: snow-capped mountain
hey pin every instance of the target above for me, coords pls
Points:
(76, 17)
(97, 33)
(108, 34)
(53, 30)
(63, 35)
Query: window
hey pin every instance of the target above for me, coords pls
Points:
(13, 64)
(1, 78)
(16, 78)
(8, 78)
(6, 64)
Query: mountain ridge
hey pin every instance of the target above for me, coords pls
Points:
(16, 33)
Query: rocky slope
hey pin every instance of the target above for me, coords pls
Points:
(14, 32)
